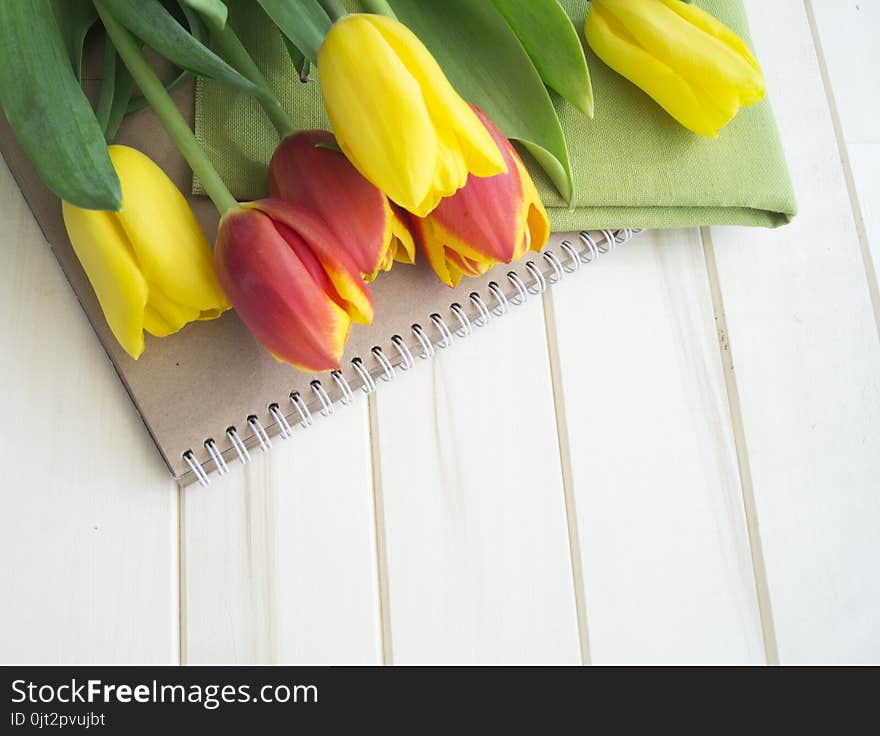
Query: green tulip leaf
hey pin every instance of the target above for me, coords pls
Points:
(122, 89)
(551, 41)
(48, 111)
(75, 18)
(196, 28)
(108, 84)
(303, 22)
(194, 20)
(302, 65)
(214, 11)
(156, 27)
(116, 88)
(487, 65)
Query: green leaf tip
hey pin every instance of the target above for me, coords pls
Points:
(48, 111)
(303, 22)
(552, 43)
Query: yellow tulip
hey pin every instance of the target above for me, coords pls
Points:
(692, 65)
(397, 117)
(150, 265)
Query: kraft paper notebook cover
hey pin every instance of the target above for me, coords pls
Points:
(211, 377)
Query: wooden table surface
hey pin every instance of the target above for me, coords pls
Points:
(674, 458)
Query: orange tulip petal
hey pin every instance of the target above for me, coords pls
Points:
(337, 261)
(491, 220)
(276, 294)
(325, 182)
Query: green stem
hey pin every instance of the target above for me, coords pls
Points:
(166, 110)
(231, 47)
(380, 7)
(334, 9)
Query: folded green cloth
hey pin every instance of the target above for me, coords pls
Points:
(633, 165)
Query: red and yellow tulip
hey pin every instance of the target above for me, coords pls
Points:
(491, 220)
(292, 281)
(306, 170)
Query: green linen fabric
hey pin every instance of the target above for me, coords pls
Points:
(633, 165)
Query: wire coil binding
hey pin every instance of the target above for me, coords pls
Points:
(496, 304)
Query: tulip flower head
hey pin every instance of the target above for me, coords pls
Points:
(397, 117)
(305, 170)
(692, 65)
(291, 281)
(149, 264)
(490, 221)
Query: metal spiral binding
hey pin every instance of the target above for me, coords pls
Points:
(305, 416)
(483, 314)
(260, 432)
(446, 335)
(243, 454)
(496, 304)
(344, 388)
(464, 323)
(502, 305)
(326, 404)
(522, 293)
(404, 352)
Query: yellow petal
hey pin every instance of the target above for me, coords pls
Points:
(103, 250)
(711, 25)
(398, 243)
(156, 324)
(164, 316)
(401, 238)
(618, 49)
(377, 112)
(735, 61)
(397, 117)
(693, 43)
(166, 238)
(696, 68)
(537, 224)
(470, 148)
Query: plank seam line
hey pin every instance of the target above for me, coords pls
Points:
(379, 522)
(563, 441)
(759, 568)
(843, 152)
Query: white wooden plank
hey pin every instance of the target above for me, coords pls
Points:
(88, 531)
(807, 359)
(848, 31)
(478, 564)
(280, 555)
(848, 50)
(665, 552)
(864, 159)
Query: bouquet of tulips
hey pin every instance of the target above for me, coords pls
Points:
(419, 162)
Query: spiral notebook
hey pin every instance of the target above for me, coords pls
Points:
(211, 396)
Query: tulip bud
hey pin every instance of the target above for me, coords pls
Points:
(396, 116)
(491, 220)
(291, 281)
(149, 264)
(359, 215)
(692, 65)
